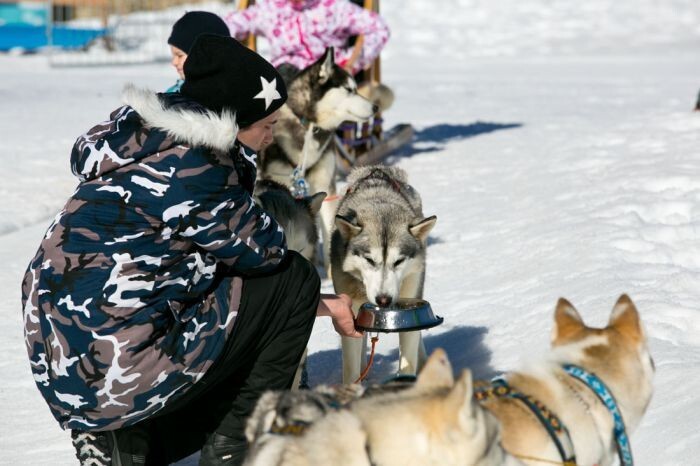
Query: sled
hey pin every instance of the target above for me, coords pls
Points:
(250, 41)
(369, 143)
(393, 139)
(360, 144)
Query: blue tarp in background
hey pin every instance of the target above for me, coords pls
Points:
(23, 25)
(33, 37)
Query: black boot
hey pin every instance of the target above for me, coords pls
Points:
(122, 447)
(92, 448)
(220, 450)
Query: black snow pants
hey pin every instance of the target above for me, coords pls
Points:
(271, 331)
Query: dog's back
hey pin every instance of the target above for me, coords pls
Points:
(296, 216)
(435, 422)
(616, 354)
(382, 188)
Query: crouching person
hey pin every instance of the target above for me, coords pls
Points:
(162, 301)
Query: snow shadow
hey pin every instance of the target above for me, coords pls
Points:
(434, 240)
(433, 138)
(464, 346)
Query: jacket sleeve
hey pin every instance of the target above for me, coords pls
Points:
(243, 22)
(358, 20)
(207, 205)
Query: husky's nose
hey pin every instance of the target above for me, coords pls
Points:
(383, 300)
(375, 108)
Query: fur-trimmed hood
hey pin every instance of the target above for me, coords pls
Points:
(183, 119)
(150, 123)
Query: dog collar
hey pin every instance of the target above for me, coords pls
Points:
(306, 124)
(592, 381)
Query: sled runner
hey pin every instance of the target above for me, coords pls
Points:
(360, 144)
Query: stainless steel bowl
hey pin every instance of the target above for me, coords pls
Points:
(402, 316)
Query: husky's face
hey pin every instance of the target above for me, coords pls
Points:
(326, 94)
(387, 258)
(618, 353)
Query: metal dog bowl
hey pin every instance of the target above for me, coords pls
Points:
(402, 316)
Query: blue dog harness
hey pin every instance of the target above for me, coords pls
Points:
(624, 449)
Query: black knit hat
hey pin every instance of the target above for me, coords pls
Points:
(192, 24)
(221, 73)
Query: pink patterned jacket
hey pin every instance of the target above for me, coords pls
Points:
(298, 33)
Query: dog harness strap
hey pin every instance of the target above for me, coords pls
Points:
(624, 448)
(379, 174)
(368, 452)
(295, 428)
(499, 387)
(300, 187)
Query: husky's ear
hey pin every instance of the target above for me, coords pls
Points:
(436, 373)
(327, 62)
(567, 322)
(421, 229)
(459, 400)
(315, 202)
(625, 319)
(346, 228)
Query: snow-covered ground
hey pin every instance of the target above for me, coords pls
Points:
(555, 144)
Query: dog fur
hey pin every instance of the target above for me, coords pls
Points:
(379, 94)
(320, 98)
(296, 216)
(617, 354)
(434, 422)
(378, 255)
(439, 422)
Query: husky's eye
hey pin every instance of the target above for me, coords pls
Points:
(399, 262)
(370, 261)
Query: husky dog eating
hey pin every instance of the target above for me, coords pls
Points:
(378, 255)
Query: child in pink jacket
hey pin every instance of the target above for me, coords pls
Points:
(298, 31)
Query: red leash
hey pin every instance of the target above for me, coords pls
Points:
(371, 360)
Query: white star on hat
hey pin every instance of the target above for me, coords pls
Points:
(269, 91)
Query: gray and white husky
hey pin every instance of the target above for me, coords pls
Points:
(378, 254)
(321, 97)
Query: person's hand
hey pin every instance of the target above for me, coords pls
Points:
(339, 308)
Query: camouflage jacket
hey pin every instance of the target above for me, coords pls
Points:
(136, 284)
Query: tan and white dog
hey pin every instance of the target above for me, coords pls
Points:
(436, 422)
(616, 354)
(440, 422)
